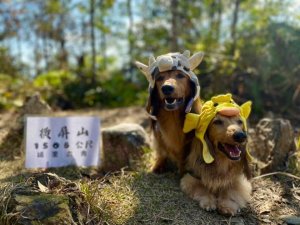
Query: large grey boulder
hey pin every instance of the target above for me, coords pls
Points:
(123, 144)
(271, 142)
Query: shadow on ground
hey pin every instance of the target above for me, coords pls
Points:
(159, 200)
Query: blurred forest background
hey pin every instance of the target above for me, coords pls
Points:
(80, 53)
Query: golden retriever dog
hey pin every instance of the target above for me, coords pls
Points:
(218, 165)
(173, 91)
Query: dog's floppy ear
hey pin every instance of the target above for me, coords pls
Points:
(195, 60)
(153, 103)
(194, 105)
(246, 162)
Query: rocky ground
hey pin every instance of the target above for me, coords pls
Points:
(86, 196)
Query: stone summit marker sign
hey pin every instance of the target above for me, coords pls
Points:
(62, 141)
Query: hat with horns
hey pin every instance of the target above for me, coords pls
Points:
(173, 61)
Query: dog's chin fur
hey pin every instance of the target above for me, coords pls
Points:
(169, 140)
(223, 184)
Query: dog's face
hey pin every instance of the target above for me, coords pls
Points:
(173, 89)
(227, 134)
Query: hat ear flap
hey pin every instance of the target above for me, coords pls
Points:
(246, 109)
(207, 150)
(151, 60)
(144, 69)
(186, 53)
(195, 60)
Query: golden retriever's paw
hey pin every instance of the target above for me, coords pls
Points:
(228, 207)
(207, 203)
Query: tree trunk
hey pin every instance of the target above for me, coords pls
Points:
(93, 46)
(219, 20)
(36, 56)
(103, 43)
(63, 58)
(63, 55)
(211, 15)
(45, 52)
(19, 46)
(233, 25)
(130, 33)
(174, 28)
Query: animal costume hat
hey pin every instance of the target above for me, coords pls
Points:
(222, 104)
(172, 61)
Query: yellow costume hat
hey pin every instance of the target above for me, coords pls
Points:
(222, 104)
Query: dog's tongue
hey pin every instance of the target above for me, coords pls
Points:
(233, 150)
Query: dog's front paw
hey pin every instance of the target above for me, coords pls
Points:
(228, 207)
(207, 202)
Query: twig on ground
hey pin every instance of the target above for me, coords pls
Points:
(277, 173)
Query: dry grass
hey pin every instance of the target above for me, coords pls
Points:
(140, 197)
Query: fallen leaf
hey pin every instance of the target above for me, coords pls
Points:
(43, 188)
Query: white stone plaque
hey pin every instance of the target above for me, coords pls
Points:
(62, 141)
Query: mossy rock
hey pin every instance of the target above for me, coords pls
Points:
(46, 199)
(43, 209)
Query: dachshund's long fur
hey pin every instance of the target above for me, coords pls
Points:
(169, 140)
(223, 184)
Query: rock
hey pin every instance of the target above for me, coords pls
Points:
(271, 143)
(46, 208)
(12, 144)
(122, 145)
(33, 105)
(62, 203)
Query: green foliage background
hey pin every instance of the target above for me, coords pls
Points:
(252, 49)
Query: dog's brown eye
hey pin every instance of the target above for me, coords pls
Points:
(218, 122)
(160, 78)
(240, 122)
(180, 76)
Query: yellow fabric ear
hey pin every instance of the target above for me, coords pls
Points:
(207, 157)
(191, 122)
(246, 109)
(221, 98)
(245, 112)
(205, 120)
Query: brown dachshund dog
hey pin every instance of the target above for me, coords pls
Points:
(173, 92)
(222, 182)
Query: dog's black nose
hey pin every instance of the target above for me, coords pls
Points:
(167, 89)
(239, 136)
